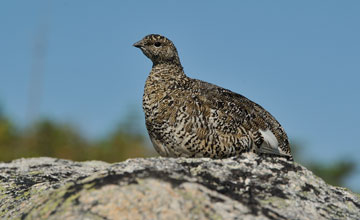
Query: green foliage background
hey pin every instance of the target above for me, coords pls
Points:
(55, 139)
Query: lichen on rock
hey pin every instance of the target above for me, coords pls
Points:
(246, 187)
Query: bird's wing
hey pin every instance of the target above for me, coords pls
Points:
(247, 116)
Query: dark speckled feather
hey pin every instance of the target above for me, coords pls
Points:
(191, 118)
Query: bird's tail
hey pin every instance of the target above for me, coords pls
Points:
(270, 145)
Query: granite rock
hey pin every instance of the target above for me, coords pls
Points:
(245, 187)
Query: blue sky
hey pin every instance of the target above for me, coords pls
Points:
(298, 59)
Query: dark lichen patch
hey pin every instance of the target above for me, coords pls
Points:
(289, 166)
(80, 178)
(331, 208)
(248, 164)
(127, 178)
(252, 203)
(351, 200)
(191, 164)
(72, 190)
(51, 178)
(214, 199)
(338, 192)
(259, 180)
(274, 170)
(232, 189)
(24, 215)
(219, 164)
(274, 191)
(272, 215)
(237, 173)
(9, 170)
(265, 178)
(308, 188)
(209, 179)
(43, 165)
(247, 194)
(271, 157)
(302, 197)
(259, 160)
(321, 213)
(281, 181)
(228, 187)
(24, 182)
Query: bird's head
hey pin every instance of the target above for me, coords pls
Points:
(158, 49)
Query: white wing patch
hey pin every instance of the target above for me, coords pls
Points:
(270, 144)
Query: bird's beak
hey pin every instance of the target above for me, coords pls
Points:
(138, 44)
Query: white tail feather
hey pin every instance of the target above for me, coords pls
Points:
(270, 144)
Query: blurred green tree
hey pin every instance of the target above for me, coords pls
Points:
(52, 139)
(8, 138)
(126, 141)
(335, 173)
(119, 146)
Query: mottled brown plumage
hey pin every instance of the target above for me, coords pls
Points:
(191, 118)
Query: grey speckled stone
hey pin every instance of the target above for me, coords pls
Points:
(247, 187)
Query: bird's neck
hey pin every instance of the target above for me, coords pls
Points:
(167, 71)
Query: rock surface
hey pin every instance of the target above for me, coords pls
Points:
(247, 187)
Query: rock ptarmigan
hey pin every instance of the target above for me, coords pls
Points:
(187, 117)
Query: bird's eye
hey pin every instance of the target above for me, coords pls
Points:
(157, 44)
